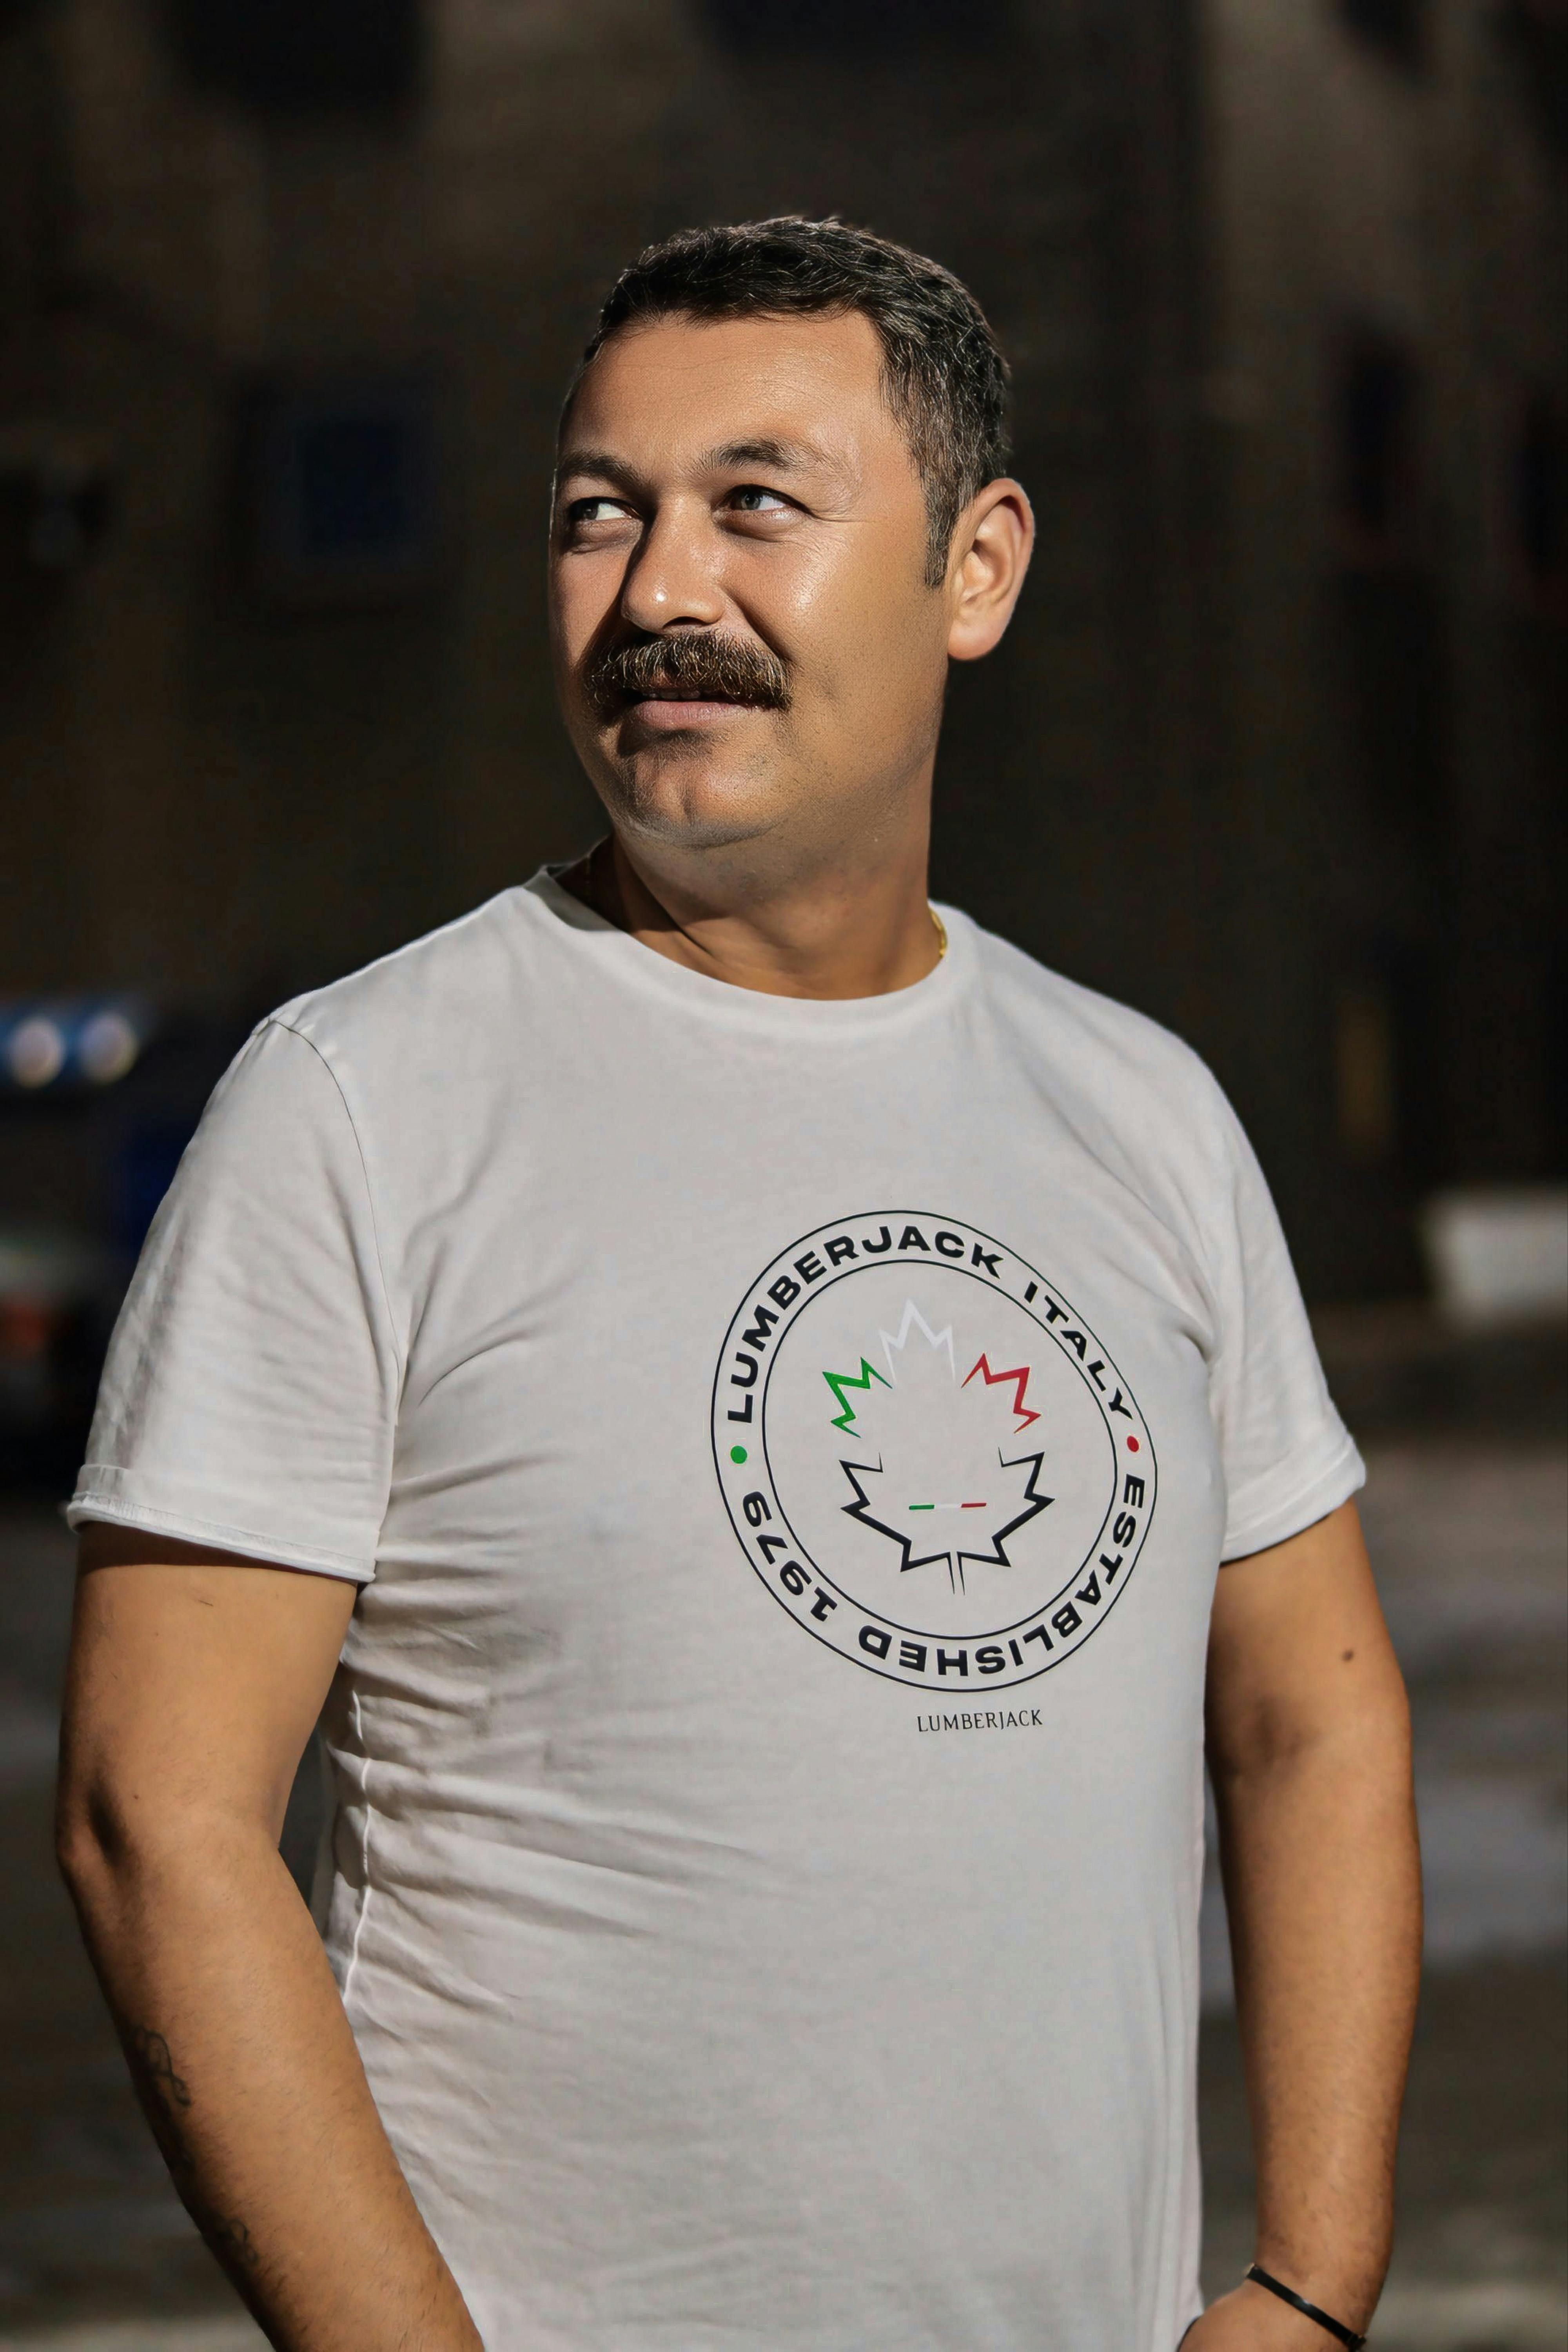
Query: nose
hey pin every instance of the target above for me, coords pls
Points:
(672, 582)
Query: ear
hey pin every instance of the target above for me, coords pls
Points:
(991, 551)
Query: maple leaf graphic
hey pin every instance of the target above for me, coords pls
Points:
(938, 1476)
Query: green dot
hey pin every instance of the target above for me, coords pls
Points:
(737, 1452)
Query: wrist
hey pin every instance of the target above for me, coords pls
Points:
(1249, 2319)
(1333, 2310)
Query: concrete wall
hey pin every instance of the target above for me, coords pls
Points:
(1392, 722)
(1164, 210)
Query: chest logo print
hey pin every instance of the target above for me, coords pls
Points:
(926, 1454)
(926, 1430)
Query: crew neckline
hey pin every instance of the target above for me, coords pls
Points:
(723, 1001)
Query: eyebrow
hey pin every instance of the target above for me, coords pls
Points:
(780, 457)
(608, 467)
(784, 456)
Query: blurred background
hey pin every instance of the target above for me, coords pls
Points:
(288, 292)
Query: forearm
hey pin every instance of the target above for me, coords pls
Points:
(244, 2061)
(1322, 1883)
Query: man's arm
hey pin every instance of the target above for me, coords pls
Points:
(193, 1683)
(1309, 1746)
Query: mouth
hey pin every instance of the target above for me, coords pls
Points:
(667, 707)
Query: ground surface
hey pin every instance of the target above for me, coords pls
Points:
(1468, 1511)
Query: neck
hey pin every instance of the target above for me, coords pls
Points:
(861, 928)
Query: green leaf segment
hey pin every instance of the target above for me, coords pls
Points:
(839, 1382)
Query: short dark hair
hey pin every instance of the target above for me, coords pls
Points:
(942, 370)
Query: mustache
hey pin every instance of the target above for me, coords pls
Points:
(703, 665)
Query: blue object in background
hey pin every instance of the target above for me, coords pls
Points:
(342, 483)
(142, 1172)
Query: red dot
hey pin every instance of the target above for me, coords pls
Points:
(1132, 1445)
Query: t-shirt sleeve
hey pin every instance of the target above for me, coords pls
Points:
(250, 1392)
(1288, 1458)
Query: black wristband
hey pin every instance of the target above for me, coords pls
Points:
(1336, 2328)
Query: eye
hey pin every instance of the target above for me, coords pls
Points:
(583, 512)
(752, 498)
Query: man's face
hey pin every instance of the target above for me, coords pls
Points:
(745, 640)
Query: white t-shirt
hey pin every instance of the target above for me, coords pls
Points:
(787, 1449)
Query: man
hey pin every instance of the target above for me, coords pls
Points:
(735, 1387)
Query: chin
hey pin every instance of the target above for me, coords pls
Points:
(692, 800)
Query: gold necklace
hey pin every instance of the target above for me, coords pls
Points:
(940, 933)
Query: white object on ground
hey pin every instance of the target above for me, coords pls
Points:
(1499, 1255)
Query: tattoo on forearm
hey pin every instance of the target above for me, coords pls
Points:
(158, 2068)
(165, 2097)
(227, 2238)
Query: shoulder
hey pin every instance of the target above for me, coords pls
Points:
(1144, 1110)
(486, 1004)
(423, 991)
(1090, 1047)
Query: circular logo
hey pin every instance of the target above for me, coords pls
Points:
(927, 1455)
